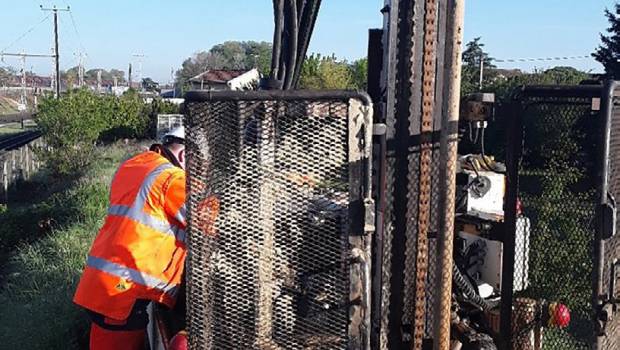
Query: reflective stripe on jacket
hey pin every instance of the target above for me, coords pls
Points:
(139, 252)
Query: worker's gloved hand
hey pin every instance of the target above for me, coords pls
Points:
(196, 186)
(205, 215)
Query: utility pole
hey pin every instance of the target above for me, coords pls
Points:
(23, 97)
(80, 57)
(172, 82)
(22, 57)
(140, 57)
(481, 71)
(99, 81)
(56, 53)
(129, 76)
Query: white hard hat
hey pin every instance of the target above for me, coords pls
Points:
(177, 134)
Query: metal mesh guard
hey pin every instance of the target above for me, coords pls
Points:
(281, 265)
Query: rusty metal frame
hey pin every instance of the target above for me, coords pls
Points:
(424, 201)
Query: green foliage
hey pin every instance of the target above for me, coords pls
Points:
(470, 75)
(39, 279)
(554, 76)
(72, 124)
(608, 52)
(160, 106)
(149, 84)
(474, 53)
(245, 55)
(558, 193)
(359, 70)
(128, 118)
(71, 75)
(328, 72)
(242, 55)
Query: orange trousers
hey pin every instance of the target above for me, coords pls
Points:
(103, 339)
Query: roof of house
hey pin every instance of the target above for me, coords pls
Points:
(221, 76)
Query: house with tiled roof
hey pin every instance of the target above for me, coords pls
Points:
(221, 79)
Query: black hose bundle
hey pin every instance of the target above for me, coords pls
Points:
(294, 23)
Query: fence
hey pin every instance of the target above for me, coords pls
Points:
(17, 165)
(553, 158)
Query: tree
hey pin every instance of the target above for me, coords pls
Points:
(149, 85)
(608, 52)
(119, 74)
(328, 72)
(472, 56)
(5, 76)
(553, 76)
(234, 55)
(359, 70)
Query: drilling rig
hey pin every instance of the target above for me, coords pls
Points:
(381, 219)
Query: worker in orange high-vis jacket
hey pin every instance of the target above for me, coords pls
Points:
(139, 254)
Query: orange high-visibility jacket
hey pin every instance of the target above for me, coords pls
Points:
(139, 253)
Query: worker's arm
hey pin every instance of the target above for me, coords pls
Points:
(204, 213)
(174, 199)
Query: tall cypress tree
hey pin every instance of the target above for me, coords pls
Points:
(608, 52)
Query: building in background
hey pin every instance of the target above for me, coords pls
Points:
(219, 79)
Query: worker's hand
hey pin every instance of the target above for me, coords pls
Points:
(196, 186)
(301, 179)
(205, 215)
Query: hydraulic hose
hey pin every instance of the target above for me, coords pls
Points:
(465, 287)
(278, 14)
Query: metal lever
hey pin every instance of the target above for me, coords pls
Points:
(608, 222)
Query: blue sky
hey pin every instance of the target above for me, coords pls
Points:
(167, 32)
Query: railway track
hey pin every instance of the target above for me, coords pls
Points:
(17, 140)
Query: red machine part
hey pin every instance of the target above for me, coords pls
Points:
(179, 341)
(559, 315)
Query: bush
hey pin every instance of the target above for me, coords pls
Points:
(70, 126)
(128, 119)
(73, 124)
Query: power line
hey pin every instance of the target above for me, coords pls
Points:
(26, 33)
(539, 59)
(77, 33)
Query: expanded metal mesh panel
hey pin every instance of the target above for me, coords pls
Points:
(282, 265)
(556, 229)
(611, 247)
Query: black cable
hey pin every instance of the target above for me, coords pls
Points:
(291, 34)
(278, 13)
(306, 27)
(26, 33)
(466, 288)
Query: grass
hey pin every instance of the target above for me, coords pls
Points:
(45, 236)
(10, 128)
(7, 105)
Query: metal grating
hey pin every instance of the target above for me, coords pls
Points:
(610, 332)
(554, 236)
(285, 263)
